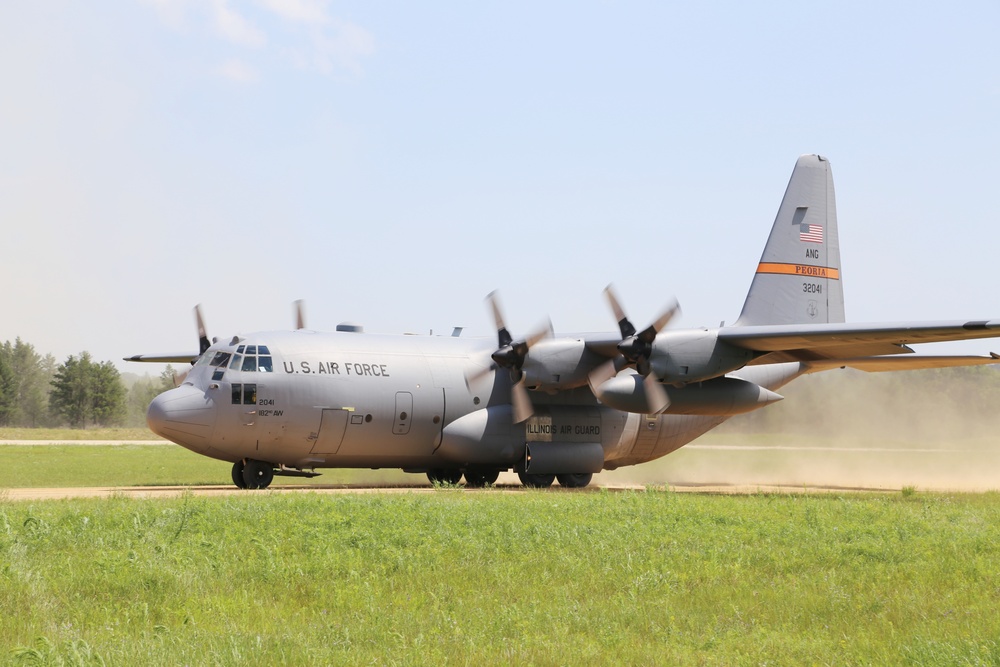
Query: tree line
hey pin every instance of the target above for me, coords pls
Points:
(36, 391)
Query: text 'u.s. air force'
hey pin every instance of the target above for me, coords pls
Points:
(337, 368)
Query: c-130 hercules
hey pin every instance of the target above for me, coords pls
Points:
(547, 406)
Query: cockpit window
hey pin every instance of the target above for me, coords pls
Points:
(252, 358)
(221, 359)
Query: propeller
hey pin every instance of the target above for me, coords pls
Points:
(511, 355)
(635, 349)
(203, 344)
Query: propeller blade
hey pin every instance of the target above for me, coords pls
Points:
(544, 332)
(179, 378)
(649, 333)
(203, 342)
(602, 374)
(503, 336)
(656, 395)
(523, 409)
(478, 374)
(627, 329)
(300, 314)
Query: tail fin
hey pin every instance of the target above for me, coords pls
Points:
(798, 279)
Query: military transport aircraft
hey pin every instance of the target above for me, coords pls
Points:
(547, 406)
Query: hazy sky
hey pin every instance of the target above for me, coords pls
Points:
(392, 163)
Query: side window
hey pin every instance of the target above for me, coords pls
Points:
(264, 364)
(249, 364)
(245, 394)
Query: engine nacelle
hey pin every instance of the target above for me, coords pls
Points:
(625, 392)
(682, 357)
(558, 364)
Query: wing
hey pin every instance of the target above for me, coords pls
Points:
(188, 358)
(910, 362)
(822, 342)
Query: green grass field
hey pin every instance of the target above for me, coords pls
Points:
(74, 434)
(498, 577)
(543, 578)
(27, 466)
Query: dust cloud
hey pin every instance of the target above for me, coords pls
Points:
(932, 430)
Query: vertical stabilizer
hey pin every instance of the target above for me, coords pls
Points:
(798, 279)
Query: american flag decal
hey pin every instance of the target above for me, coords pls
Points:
(811, 233)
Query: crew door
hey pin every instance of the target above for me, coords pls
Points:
(331, 431)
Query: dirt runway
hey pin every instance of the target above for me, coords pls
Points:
(339, 489)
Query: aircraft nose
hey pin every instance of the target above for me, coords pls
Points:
(185, 415)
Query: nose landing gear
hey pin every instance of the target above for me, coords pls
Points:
(252, 474)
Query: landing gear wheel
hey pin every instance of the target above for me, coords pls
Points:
(238, 475)
(536, 481)
(477, 478)
(575, 480)
(258, 474)
(444, 476)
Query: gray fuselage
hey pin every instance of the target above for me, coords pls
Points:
(306, 400)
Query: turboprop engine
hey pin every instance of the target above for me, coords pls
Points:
(720, 396)
(683, 357)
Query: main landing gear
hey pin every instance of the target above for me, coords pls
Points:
(575, 480)
(475, 477)
(478, 477)
(444, 476)
(567, 480)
